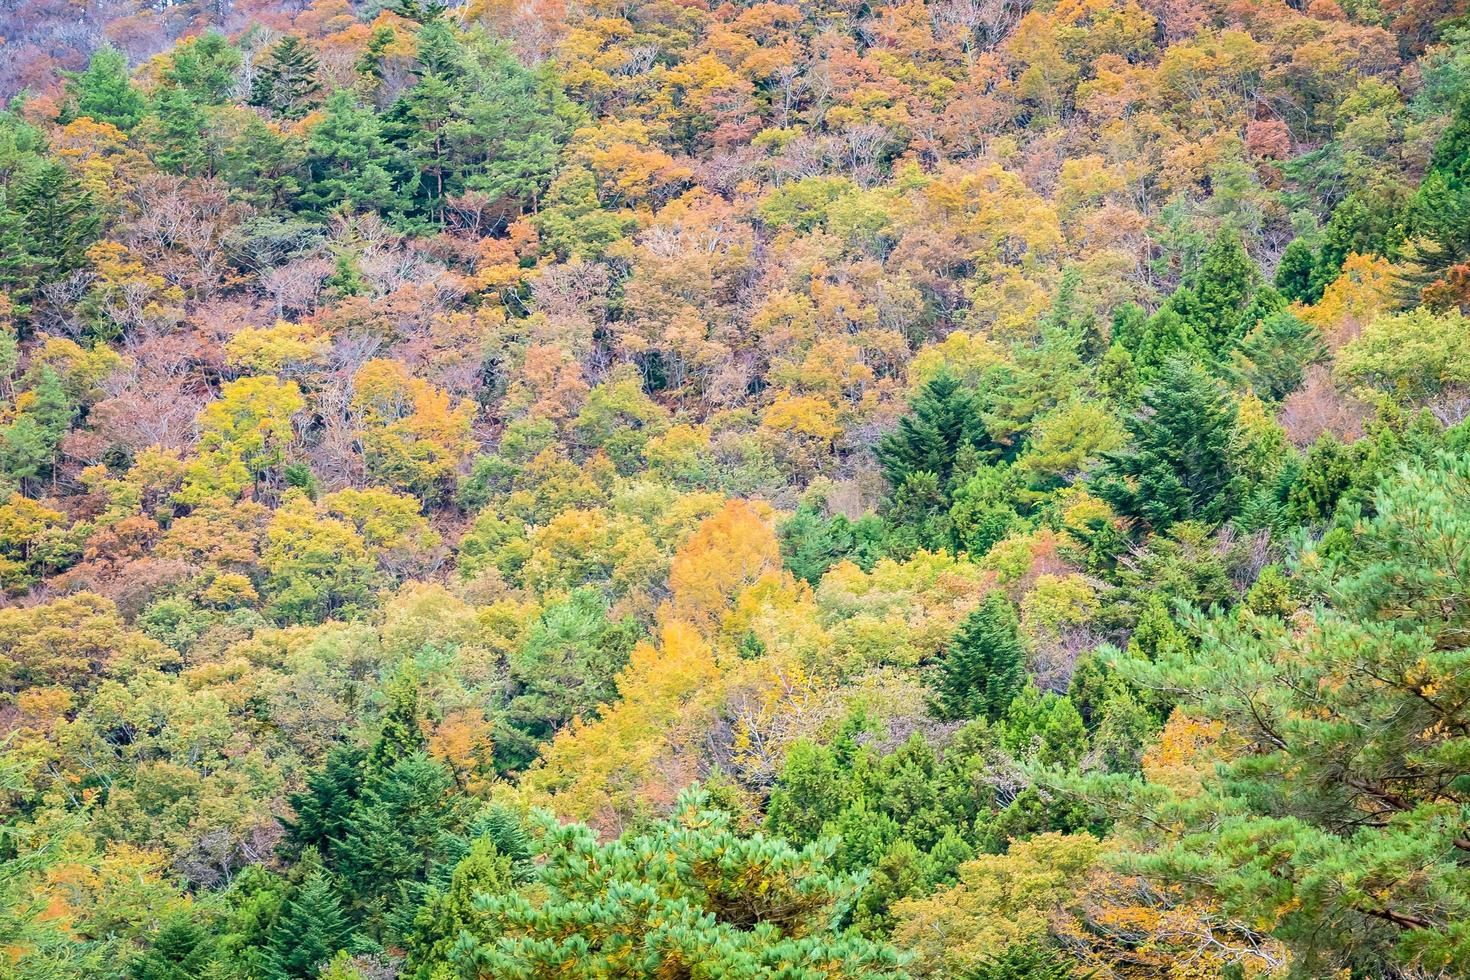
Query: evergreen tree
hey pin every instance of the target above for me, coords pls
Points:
(1226, 282)
(985, 665)
(104, 92)
(265, 166)
(206, 67)
(1370, 222)
(1180, 465)
(1341, 816)
(404, 829)
(448, 913)
(179, 134)
(348, 161)
(1025, 962)
(181, 950)
(324, 809)
(30, 441)
(286, 82)
(943, 426)
(1273, 357)
(1440, 210)
(59, 220)
(688, 896)
(312, 928)
(1294, 274)
(811, 543)
(400, 734)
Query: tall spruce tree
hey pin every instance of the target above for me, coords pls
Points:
(312, 928)
(59, 220)
(104, 92)
(349, 163)
(1294, 274)
(287, 82)
(1180, 465)
(942, 426)
(984, 667)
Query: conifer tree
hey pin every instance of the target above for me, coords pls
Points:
(1226, 281)
(405, 827)
(1180, 465)
(1274, 356)
(206, 68)
(324, 810)
(943, 423)
(985, 665)
(1338, 816)
(182, 950)
(287, 82)
(178, 134)
(104, 92)
(1294, 274)
(312, 928)
(59, 219)
(349, 163)
(400, 733)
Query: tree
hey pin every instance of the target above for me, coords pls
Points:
(30, 440)
(1332, 810)
(566, 666)
(59, 220)
(312, 928)
(687, 895)
(413, 436)
(985, 665)
(405, 826)
(324, 808)
(206, 67)
(104, 92)
(1273, 357)
(1227, 279)
(730, 551)
(1180, 464)
(182, 950)
(179, 134)
(1411, 356)
(317, 567)
(349, 164)
(286, 82)
(942, 430)
(1294, 274)
(450, 913)
(243, 438)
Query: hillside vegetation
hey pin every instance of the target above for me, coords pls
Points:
(941, 489)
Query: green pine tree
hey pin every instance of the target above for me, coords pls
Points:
(1273, 357)
(181, 950)
(984, 667)
(287, 82)
(178, 134)
(324, 809)
(406, 828)
(1294, 274)
(206, 67)
(348, 161)
(59, 220)
(1180, 465)
(312, 928)
(104, 92)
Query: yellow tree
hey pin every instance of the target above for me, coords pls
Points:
(243, 439)
(626, 762)
(731, 550)
(413, 436)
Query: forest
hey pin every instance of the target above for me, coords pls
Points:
(666, 490)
